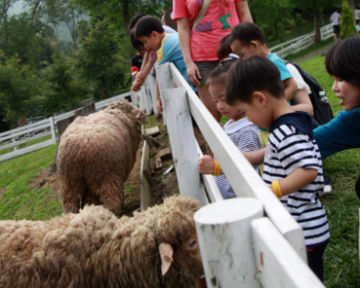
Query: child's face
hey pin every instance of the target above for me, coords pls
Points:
(348, 93)
(243, 50)
(217, 93)
(151, 42)
(256, 113)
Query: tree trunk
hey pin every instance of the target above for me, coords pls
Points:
(317, 26)
(126, 14)
(352, 4)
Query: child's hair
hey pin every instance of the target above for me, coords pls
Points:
(343, 60)
(134, 20)
(224, 49)
(255, 73)
(146, 25)
(134, 41)
(247, 32)
(219, 74)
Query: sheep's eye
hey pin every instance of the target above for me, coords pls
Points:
(193, 244)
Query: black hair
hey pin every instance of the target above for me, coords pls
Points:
(134, 41)
(343, 60)
(247, 32)
(134, 20)
(219, 74)
(255, 73)
(224, 49)
(146, 25)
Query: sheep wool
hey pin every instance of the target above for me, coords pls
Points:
(96, 154)
(96, 249)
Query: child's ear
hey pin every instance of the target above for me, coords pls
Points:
(259, 98)
(254, 43)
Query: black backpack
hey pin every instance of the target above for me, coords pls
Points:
(319, 100)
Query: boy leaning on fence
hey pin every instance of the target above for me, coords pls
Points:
(292, 161)
(151, 33)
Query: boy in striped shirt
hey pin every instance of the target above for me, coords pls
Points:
(292, 161)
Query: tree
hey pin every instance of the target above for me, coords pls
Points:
(347, 27)
(5, 6)
(316, 8)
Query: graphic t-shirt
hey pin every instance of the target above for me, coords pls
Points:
(220, 17)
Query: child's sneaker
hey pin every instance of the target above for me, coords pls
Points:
(327, 187)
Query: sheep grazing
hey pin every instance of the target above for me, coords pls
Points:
(154, 248)
(95, 156)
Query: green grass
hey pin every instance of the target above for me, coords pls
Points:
(342, 255)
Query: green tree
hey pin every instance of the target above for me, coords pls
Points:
(62, 87)
(347, 27)
(102, 61)
(18, 83)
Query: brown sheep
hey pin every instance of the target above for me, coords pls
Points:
(96, 154)
(155, 248)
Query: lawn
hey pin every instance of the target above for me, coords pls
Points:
(20, 199)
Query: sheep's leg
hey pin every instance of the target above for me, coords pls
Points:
(111, 194)
(71, 195)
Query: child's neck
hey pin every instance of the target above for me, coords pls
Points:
(264, 51)
(280, 107)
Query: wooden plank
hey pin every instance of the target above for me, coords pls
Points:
(243, 178)
(225, 240)
(278, 264)
(182, 141)
(145, 188)
(152, 131)
(25, 140)
(29, 130)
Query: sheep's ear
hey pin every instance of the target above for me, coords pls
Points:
(166, 255)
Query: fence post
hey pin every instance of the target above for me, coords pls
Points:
(52, 129)
(183, 143)
(224, 233)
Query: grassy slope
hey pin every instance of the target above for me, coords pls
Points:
(341, 257)
(20, 200)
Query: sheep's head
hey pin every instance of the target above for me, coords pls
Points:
(128, 109)
(175, 229)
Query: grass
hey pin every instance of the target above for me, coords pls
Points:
(342, 255)
(19, 199)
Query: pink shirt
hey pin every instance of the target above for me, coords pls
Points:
(220, 16)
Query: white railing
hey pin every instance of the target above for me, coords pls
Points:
(17, 140)
(302, 42)
(242, 247)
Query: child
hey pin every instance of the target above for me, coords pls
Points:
(240, 130)
(151, 33)
(137, 59)
(292, 162)
(247, 40)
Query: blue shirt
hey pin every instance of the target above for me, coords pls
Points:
(170, 51)
(280, 64)
(341, 133)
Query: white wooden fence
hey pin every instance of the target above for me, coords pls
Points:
(17, 141)
(239, 246)
(300, 43)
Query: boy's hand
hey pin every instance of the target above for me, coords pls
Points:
(159, 108)
(206, 164)
(138, 82)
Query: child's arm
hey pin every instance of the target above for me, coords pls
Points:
(302, 102)
(290, 89)
(243, 12)
(159, 106)
(255, 157)
(148, 63)
(298, 179)
(207, 165)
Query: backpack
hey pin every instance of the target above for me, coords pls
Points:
(319, 100)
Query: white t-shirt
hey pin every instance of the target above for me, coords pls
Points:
(298, 78)
(335, 18)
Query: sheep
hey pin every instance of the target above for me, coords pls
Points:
(95, 156)
(94, 248)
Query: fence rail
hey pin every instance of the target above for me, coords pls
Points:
(180, 105)
(15, 139)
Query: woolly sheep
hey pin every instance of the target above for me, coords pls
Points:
(155, 248)
(96, 154)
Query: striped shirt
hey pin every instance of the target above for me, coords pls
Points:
(288, 149)
(244, 135)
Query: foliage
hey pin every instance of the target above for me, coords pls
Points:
(62, 87)
(347, 27)
(101, 62)
(17, 86)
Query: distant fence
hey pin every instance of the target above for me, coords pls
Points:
(243, 242)
(40, 134)
(302, 42)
